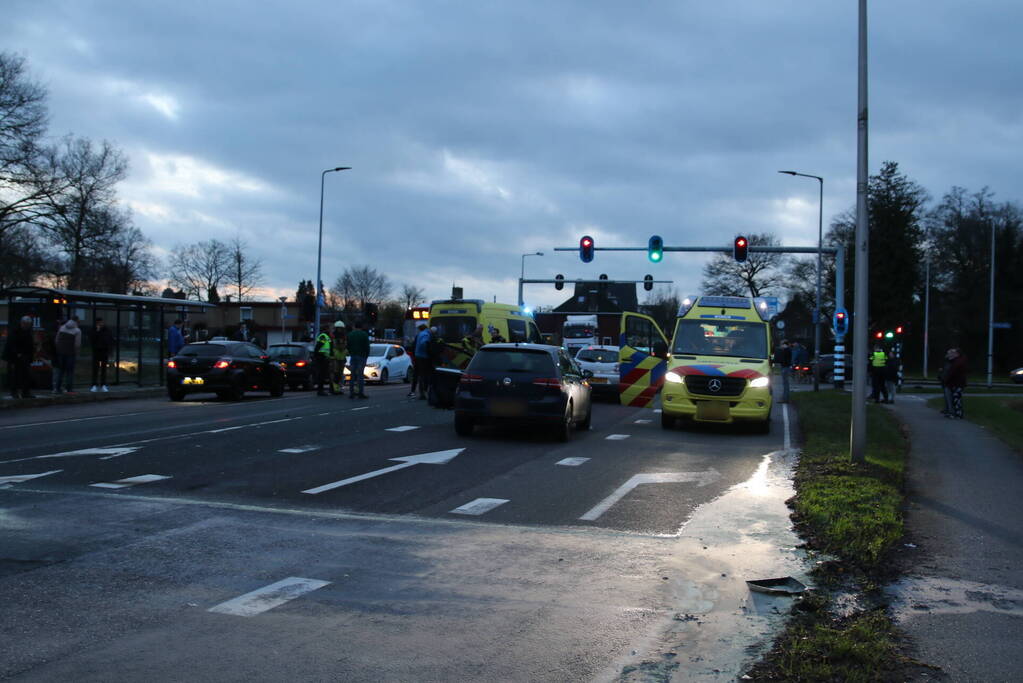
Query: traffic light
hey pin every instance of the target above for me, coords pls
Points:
(879, 335)
(841, 322)
(308, 307)
(586, 249)
(898, 329)
(559, 282)
(371, 312)
(655, 249)
(603, 283)
(648, 282)
(740, 248)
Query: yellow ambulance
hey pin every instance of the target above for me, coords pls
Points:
(455, 319)
(716, 368)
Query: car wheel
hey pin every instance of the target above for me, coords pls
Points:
(175, 394)
(464, 425)
(383, 376)
(565, 429)
(293, 387)
(307, 386)
(829, 378)
(224, 395)
(236, 392)
(585, 424)
(667, 421)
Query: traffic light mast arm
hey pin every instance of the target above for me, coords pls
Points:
(725, 250)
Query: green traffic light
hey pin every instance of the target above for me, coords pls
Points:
(889, 335)
(655, 256)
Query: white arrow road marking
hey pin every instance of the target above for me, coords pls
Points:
(300, 449)
(403, 428)
(479, 506)
(616, 437)
(113, 452)
(571, 462)
(268, 597)
(700, 478)
(437, 458)
(130, 481)
(18, 478)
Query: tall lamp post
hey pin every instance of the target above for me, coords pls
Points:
(820, 244)
(522, 273)
(319, 252)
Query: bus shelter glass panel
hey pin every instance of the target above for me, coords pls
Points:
(150, 344)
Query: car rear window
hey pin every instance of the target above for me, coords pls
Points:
(597, 356)
(512, 360)
(287, 352)
(202, 350)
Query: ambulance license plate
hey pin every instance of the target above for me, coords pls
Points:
(712, 410)
(192, 380)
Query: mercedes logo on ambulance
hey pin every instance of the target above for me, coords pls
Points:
(714, 385)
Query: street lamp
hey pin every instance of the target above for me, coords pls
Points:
(284, 310)
(522, 273)
(319, 252)
(820, 244)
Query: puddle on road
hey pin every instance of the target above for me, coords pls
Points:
(719, 627)
(916, 595)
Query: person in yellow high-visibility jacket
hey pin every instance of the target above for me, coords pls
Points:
(878, 360)
(321, 358)
(338, 356)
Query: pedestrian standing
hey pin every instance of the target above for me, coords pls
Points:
(321, 358)
(424, 366)
(68, 343)
(358, 350)
(472, 342)
(417, 360)
(891, 376)
(783, 359)
(175, 338)
(338, 358)
(942, 377)
(956, 381)
(878, 360)
(19, 352)
(102, 341)
(243, 334)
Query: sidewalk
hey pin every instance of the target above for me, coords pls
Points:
(45, 397)
(962, 598)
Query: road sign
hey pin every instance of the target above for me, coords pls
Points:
(1002, 326)
(773, 307)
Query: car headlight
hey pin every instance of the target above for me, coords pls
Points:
(674, 378)
(759, 382)
(372, 365)
(1018, 371)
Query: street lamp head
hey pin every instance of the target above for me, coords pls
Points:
(539, 253)
(343, 168)
(788, 172)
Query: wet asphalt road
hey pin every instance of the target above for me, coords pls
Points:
(505, 555)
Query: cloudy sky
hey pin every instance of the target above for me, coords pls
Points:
(481, 130)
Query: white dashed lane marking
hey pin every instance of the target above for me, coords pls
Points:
(616, 437)
(300, 449)
(19, 478)
(643, 422)
(130, 481)
(403, 428)
(268, 597)
(479, 506)
(572, 462)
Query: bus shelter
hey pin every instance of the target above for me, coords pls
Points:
(138, 324)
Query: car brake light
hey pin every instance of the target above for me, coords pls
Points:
(470, 379)
(300, 364)
(171, 364)
(221, 364)
(552, 382)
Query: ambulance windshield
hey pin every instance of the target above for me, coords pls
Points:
(720, 338)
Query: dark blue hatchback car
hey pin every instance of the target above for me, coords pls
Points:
(523, 383)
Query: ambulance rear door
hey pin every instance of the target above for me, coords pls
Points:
(642, 359)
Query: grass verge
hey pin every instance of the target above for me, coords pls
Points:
(1002, 415)
(852, 512)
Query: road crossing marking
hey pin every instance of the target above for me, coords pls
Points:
(268, 597)
(130, 481)
(300, 449)
(616, 437)
(437, 458)
(403, 428)
(642, 422)
(572, 462)
(700, 478)
(479, 506)
(18, 478)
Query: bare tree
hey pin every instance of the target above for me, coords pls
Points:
(760, 275)
(200, 268)
(359, 285)
(245, 273)
(412, 296)
(81, 222)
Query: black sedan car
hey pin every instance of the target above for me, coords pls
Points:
(523, 383)
(297, 361)
(227, 368)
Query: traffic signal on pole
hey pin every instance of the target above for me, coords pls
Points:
(371, 312)
(841, 322)
(655, 249)
(648, 282)
(898, 329)
(586, 249)
(740, 248)
(559, 282)
(879, 335)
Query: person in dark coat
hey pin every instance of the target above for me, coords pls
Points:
(102, 342)
(18, 353)
(955, 380)
(891, 376)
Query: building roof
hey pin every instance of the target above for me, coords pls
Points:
(77, 296)
(592, 296)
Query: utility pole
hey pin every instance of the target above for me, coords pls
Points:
(858, 427)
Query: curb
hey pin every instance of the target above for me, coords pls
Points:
(82, 397)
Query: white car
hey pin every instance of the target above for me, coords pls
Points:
(602, 361)
(385, 362)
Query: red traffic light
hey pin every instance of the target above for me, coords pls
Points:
(740, 248)
(840, 315)
(879, 335)
(740, 242)
(586, 249)
(898, 330)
